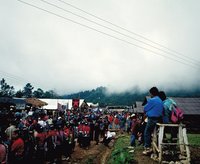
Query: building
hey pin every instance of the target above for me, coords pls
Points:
(190, 107)
(54, 104)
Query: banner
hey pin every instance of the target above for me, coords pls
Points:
(75, 103)
(62, 107)
(59, 106)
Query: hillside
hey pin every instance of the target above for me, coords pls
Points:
(101, 96)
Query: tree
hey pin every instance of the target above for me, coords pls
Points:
(50, 94)
(19, 94)
(28, 90)
(39, 93)
(5, 89)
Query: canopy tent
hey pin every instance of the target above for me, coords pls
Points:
(35, 102)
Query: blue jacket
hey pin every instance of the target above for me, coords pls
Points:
(154, 107)
(168, 104)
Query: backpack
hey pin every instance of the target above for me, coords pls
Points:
(177, 115)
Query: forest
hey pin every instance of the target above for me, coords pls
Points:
(98, 95)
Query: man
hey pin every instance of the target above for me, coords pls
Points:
(10, 130)
(108, 137)
(17, 149)
(153, 110)
(134, 128)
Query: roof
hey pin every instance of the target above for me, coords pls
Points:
(6, 100)
(36, 102)
(138, 107)
(190, 106)
(19, 103)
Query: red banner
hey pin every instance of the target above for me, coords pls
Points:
(75, 103)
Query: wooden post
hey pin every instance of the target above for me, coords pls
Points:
(186, 144)
(160, 139)
(181, 142)
(154, 141)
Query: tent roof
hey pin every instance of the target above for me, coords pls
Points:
(35, 102)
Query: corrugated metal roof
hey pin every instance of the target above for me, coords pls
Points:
(190, 106)
(138, 107)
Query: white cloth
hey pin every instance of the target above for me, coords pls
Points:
(110, 134)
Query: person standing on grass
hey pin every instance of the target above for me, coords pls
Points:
(134, 130)
(153, 110)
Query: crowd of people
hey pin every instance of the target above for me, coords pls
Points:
(37, 137)
(158, 109)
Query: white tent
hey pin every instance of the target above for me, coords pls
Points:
(53, 103)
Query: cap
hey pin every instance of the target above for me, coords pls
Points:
(133, 115)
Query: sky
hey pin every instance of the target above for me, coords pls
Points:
(76, 45)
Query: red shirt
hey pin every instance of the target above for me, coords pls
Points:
(86, 129)
(110, 118)
(116, 121)
(2, 153)
(18, 147)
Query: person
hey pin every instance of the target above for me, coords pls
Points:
(141, 129)
(168, 105)
(3, 152)
(134, 130)
(153, 110)
(96, 132)
(17, 149)
(108, 137)
(10, 131)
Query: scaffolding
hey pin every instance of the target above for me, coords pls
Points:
(175, 147)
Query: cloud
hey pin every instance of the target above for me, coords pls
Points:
(53, 53)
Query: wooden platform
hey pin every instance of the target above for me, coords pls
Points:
(182, 142)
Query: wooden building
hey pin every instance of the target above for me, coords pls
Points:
(190, 107)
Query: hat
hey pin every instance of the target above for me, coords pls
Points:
(133, 115)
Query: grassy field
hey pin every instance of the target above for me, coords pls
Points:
(120, 153)
(194, 139)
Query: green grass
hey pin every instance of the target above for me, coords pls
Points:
(120, 153)
(194, 139)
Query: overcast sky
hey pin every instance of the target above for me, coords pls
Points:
(52, 52)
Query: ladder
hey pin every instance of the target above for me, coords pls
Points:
(181, 142)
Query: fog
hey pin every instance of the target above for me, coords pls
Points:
(52, 52)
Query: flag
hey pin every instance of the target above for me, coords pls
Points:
(75, 103)
(59, 106)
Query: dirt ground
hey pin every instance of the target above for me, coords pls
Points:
(142, 159)
(97, 154)
(195, 155)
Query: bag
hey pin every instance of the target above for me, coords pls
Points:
(177, 115)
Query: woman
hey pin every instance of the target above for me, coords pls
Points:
(168, 105)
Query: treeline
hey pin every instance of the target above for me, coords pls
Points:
(28, 91)
(98, 95)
